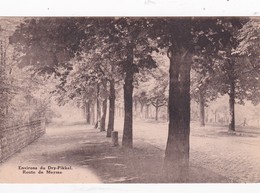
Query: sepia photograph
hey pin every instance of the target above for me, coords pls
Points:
(129, 99)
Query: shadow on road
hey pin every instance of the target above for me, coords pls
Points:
(94, 159)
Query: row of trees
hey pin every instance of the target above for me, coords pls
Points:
(94, 57)
(233, 71)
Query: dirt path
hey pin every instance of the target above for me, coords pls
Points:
(58, 152)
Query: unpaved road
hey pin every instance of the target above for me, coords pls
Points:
(55, 151)
(76, 151)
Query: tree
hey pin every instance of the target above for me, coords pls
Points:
(184, 38)
(225, 71)
(142, 98)
(79, 85)
(175, 34)
(203, 83)
(48, 44)
(112, 97)
(237, 76)
(249, 49)
(5, 86)
(8, 56)
(153, 84)
(158, 95)
(130, 36)
(103, 60)
(104, 108)
(51, 42)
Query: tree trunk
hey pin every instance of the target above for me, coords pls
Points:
(147, 111)
(135, 107)
(93, 114)
(128, 100)
(156, 113)
(112, 99)
(176, 162)
(104, 110)
(232, 107)
(245, 122)
(156, 110)
(167, 114)
(104, 114)
(202, 109)
(231, 77)
(98, 108)
(207, 115)
(216, 116)
(141, 110)
(87, 111)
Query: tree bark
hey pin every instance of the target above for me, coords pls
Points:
(156, 113)
(147, 111)
(128, 99)
(202, 109)
(93, 114)
(98, 108)
(176, 162)
(104, 114)
(232, 106)
(135, 107)
(87, 111)
(167, 114)
(104, 110)
(231, 76)
(156, 110)
(141, 110)
(206, 115)
(112, 99)
(216, 115)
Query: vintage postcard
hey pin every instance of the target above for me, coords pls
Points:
(130, 99)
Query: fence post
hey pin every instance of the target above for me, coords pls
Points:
(115, 138)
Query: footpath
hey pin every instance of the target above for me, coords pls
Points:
(78, 153)
(53, 158)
